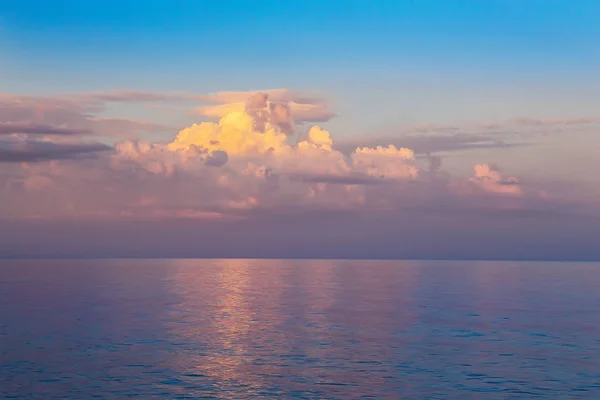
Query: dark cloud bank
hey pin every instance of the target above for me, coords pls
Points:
(414, 234)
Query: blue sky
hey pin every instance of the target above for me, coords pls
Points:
(249, 37)
(382, 63)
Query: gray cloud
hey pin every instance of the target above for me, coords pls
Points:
(553, 122)
(432, 235)
(132, 96)
(52, 115)
(434, 163)
(276, 107)
(354, 179)
(217, 158)
(277, 95)
(33, 151)
(7, 128)
(223, 97)
(431, 138)
(78, 113)
(432, 143)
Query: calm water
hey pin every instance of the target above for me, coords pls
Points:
(235, 329)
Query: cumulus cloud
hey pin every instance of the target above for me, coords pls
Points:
(320, 137)
(242, 179)
(235, 134)
(280, 108)
(217, 158)
(245, 162)
(385, 162)
(489, 178)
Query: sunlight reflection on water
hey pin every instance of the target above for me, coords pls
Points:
(306, 329)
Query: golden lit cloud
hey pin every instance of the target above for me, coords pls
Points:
(247, 160)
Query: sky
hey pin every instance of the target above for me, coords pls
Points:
(358, 129)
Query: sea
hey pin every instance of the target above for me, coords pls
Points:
(298, 329)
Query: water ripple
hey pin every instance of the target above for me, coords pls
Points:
(231, 329)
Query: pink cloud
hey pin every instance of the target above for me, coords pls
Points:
(555, 122)
(234, 168)
(29, 128)
(489, 179)
(243, 163)
(19, 149)
(278, 107)
(65, 115)
(240, 187)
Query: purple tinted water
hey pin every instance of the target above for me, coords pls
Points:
(233, 329)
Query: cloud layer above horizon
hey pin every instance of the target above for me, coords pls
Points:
(260, 176)
(259, 155)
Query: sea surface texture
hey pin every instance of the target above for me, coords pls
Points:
(237, 329)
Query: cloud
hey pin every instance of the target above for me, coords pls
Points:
(241, 187)
(219, 111)
(224, 97)
(235, 134)
(277, 95)
(131, 96)
(311, 112)
(66, 115)
(320, 137)
(385, 162)
(280, 108)
(243, 163)
(351, 179)
(23, 150)
(242, 180)
(432, 143)
(434, 163)
(431, 138)
(11, 128)
(81, 113)
(489, 178)
(217, 158)
(554, 122)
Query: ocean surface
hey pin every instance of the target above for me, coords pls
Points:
(236, 329)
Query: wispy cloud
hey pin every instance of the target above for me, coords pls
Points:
(131, 96)
(432, 143)
(431, 138)
(554, 122)
(280, 107)
(278, 95)
(14, 151)
(65, 115)
(29, 128)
